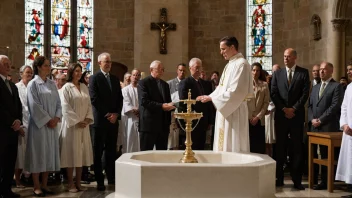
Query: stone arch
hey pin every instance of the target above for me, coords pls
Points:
(339, 9)
(118, 69)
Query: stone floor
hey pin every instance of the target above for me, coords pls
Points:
(286, 191)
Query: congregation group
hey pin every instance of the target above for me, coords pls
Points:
(70, 121)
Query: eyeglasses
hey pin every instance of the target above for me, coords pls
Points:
(107, 62)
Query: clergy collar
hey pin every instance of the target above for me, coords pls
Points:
(3, 77)
(236, 56)
(292, 68)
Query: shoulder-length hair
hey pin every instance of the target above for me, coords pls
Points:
(71, 68)
(38, 62)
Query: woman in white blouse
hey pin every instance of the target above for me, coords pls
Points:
(26, 73)
(75, 143)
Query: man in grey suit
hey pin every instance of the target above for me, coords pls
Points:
(324, 113)
(181, 74)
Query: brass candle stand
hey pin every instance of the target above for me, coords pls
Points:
(188, 155)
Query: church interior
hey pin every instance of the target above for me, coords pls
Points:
(137, 32)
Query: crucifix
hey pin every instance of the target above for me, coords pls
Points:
(163, 25)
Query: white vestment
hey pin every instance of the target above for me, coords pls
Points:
(229, 98)
(344, 168)
(130, 135)
(173, 140)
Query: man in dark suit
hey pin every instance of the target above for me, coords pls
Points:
(198, 87)
(324, 113)
(10, 127)
(154, 109)
(106, 98)
(289, 92)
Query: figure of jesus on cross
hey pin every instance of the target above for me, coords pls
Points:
(163, 25)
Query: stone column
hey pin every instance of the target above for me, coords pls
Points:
(336, 48)
(146, 41)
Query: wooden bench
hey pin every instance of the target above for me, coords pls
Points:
(331, 140)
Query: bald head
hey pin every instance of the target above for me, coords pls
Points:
(315, 72)
(326, 70)
(275, 67)
(290, 56)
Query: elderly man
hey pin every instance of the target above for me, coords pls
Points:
(344, 168)
(289, 92)
(10, 127)
(154, 109)
(198, 87)
(229, 98)
(315, 74)
(106, 97)
(324, 112)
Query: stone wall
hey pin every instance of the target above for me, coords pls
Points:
(12, 32)
(209, 21)
(114, 30)
(292, 28)
(349, 35)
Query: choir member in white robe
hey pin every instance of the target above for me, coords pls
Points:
(344, 165)
(26, 73)
(230, 100)
(75, 143)
(130, 113)
(42, 151)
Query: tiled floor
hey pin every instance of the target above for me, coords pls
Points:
(286, 191)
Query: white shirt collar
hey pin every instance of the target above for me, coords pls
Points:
(103, 72)
(3, 77)
(292, 68)
(178, 79)
(327, 81)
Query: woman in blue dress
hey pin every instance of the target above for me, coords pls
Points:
(42, 155)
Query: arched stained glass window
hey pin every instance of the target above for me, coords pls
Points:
(85, 34)
(65, 20)
(34, 30)
(60, 34)
(259, 32)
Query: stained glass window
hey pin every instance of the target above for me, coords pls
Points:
(60, 25)
(34, 30)
(85, 34)
(259, 32)
(60, 34)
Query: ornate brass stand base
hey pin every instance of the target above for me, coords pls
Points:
(188, 158)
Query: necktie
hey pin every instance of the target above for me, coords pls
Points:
(8, 85)
(108, 79)
(322, 89)
(289, 76)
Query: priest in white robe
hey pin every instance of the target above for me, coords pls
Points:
(344, 168)
(230, 99)
(130, 114)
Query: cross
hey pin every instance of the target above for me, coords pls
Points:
(163, 26)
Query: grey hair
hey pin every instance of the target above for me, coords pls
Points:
(154, 64)
(2, 57)
(127, 73)
(60, 75)
(104, 54)
(194, 60)
(24, 67)
(135, 69)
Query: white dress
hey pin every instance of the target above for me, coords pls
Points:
(22, 141)
(344, 165)
(230, 99)
(75, 143)
(270, 137)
